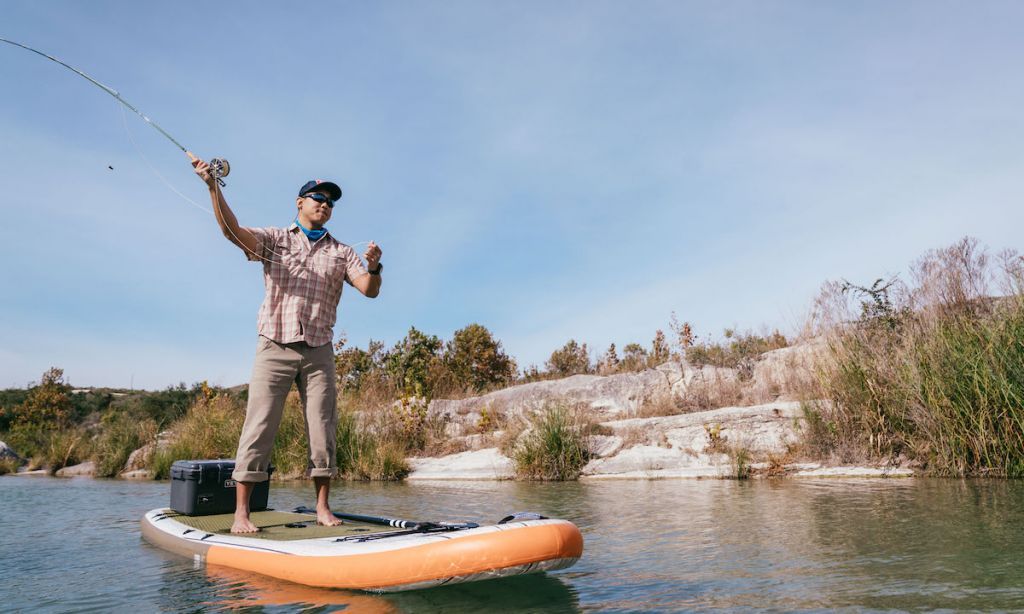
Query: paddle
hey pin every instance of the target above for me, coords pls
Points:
(395, 522)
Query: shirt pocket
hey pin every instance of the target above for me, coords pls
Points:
(331, 265)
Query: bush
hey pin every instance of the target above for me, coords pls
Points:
(409, 364)
(738, 351)
(634, 358)
(556, 446)
(476, 361)
(119, 436)
(571, 359)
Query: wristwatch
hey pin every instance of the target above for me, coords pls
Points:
(380, 267)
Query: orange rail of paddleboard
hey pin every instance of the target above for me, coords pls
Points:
(442, 559)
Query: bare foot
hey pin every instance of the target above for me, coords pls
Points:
(243, 525)
(325, 518)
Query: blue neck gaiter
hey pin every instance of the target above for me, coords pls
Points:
(312, 235)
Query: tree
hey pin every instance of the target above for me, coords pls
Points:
(609, 362)
(476, 360)
(571, 359)
(634, 357)
(409, 362)
(47, 404)
(659, 350)
(354, 364)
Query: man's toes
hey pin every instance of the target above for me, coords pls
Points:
(244, 527)
(328, 520)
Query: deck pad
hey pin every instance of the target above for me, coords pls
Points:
(274, 525)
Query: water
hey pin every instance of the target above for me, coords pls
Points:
(784, 545)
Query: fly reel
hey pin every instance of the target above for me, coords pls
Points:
(219, 167)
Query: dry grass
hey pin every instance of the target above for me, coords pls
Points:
(712, 392)
(120, 435)
(8, 465)
(209, 430)
(633, 436)
(660, 405)
(932, 371)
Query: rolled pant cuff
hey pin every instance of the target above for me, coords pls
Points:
(317, 472)
(249, 476)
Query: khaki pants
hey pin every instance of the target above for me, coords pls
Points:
(277, 365)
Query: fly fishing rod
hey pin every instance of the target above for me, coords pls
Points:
(219, 167)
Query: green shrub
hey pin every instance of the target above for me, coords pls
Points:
(555, 447)
(738, 351)
(739, 459)
(476, 360)
(570, 359)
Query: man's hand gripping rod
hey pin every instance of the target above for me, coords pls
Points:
(219, 167)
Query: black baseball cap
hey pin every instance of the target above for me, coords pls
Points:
(314, 185)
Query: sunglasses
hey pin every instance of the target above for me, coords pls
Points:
(321, 198)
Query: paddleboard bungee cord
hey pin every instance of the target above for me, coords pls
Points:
(218, 167)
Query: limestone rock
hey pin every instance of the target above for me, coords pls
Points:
(697, 444)
(780, 374)
(608, 396)
(6, 452)
(602, 446)
(767, 428)
(139, 459)
(487, 464)
(86, 469)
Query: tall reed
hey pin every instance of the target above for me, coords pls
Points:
(932, 371)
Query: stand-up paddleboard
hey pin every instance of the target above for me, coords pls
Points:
(364, 553)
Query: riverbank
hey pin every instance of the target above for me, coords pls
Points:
(891, 379)
(761, 441)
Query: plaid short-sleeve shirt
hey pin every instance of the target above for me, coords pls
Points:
(303, 282)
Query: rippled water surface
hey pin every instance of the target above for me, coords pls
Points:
(74, 545)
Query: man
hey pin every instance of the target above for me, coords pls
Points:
(303, 270)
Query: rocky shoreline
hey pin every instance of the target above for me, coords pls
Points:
(728, 442)
(746, 439)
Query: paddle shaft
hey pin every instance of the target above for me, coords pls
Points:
(391, 522)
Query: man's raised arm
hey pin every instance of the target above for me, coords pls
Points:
(227, 220)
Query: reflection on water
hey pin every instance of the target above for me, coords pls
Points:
(649, 546)
(228, 589)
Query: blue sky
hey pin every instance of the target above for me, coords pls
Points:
(551, 170)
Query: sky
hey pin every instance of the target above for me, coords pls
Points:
(549, 169)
